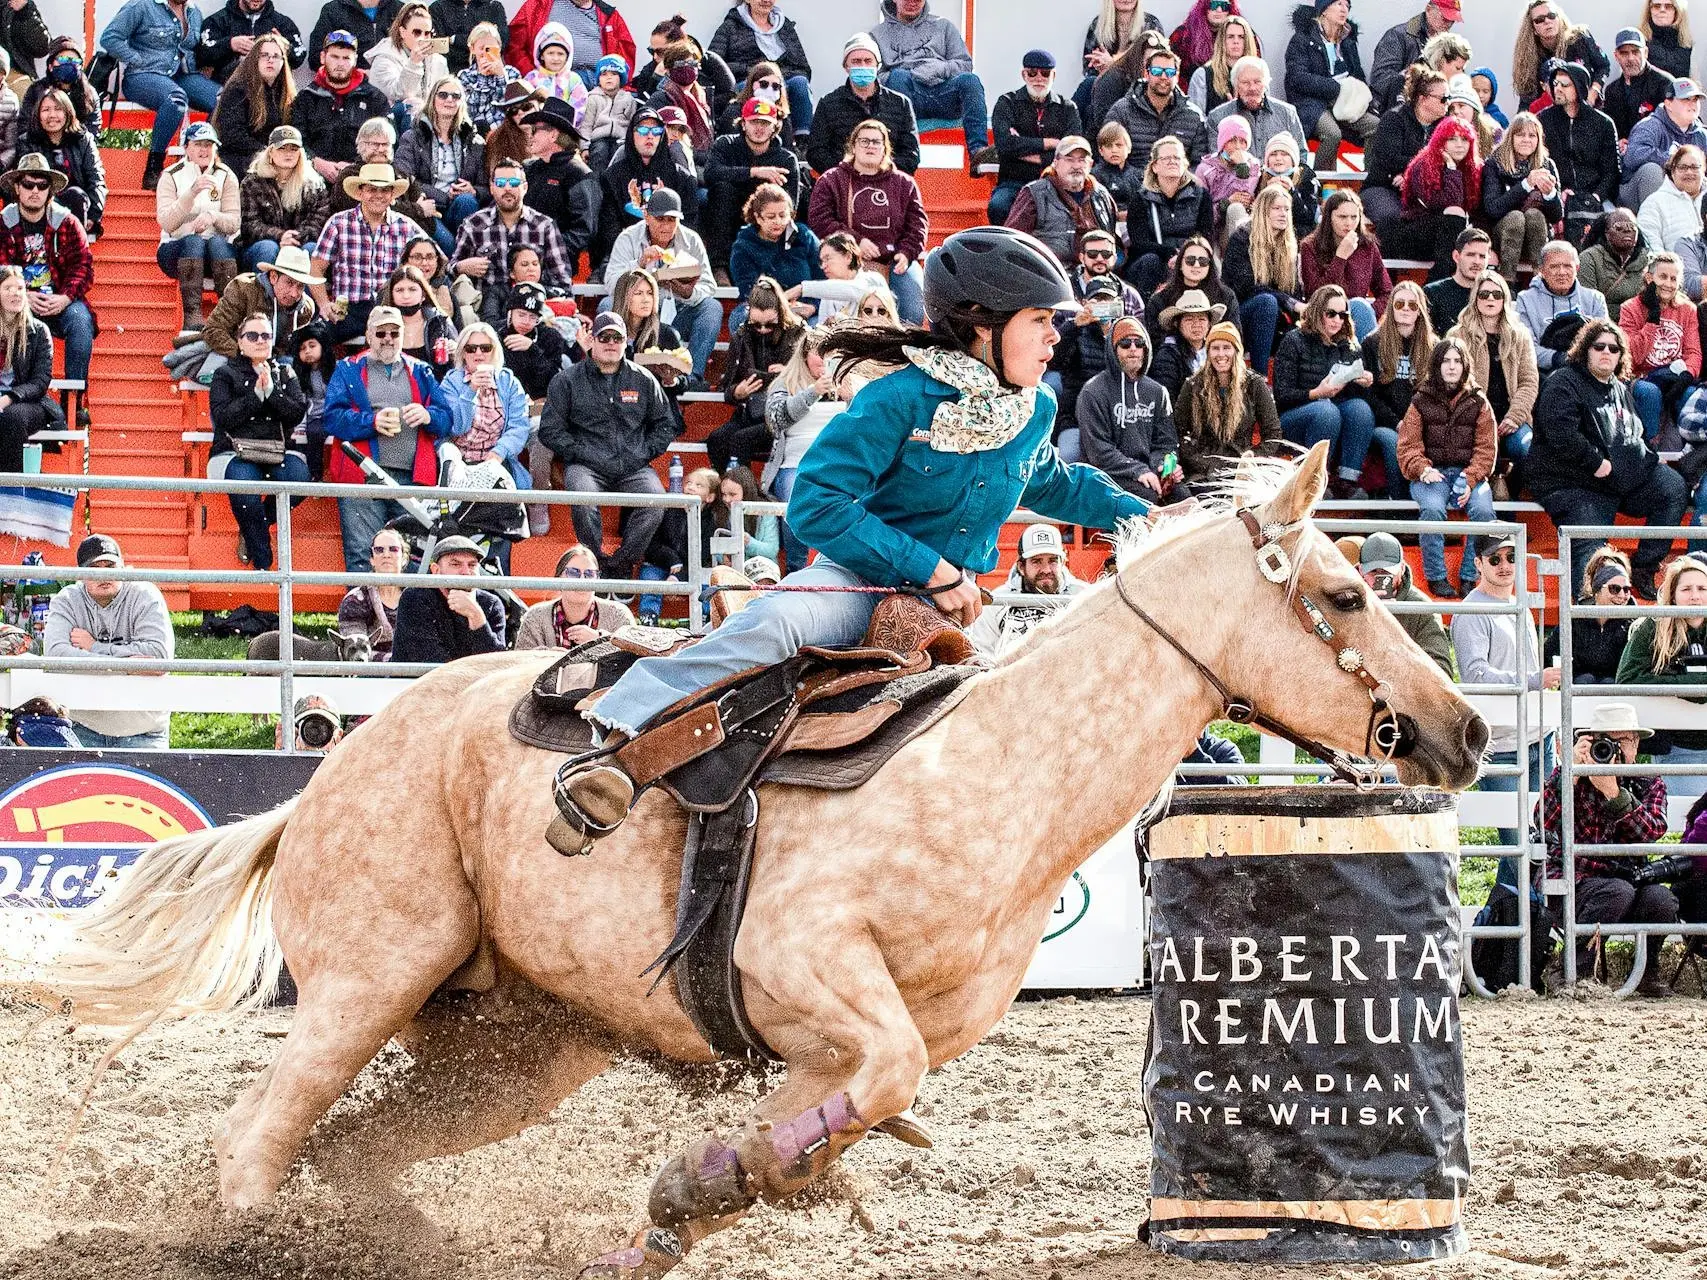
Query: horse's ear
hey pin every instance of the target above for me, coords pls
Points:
(1302, 490)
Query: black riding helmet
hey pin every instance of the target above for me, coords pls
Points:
(987, 275)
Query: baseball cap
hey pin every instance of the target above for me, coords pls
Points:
(1629, 35)
(526, 296)
(340, 36)
(1449, 9)
(1491, 542)
(1684, 88)
(761, 569)
(664, 203)
(314, 705)
(1038, 60)
(759, 109)
(384, 315)
(201, 131)
(455, 542)
(286, 135)
(99, 548)
(1071, 143)
(672, 117)
(1041, 539)
(608, 322)
(1381, 551)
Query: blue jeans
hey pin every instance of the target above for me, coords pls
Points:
(1002, 201)
(157, 740)
(1540, 765)
(1386, 443)
(1432, 501)
(651, 606)
(360, 518)
(210, 248)
(1068, 445)
(699, 323)
(909, 289)
(1347, 422)
(1693, 784)
(1362, 318)
(771, 629)
(170, 99)
(75, 327)
(961, 95)
(1650, 401)
(254, 512)
(793, 549)
(799, 90)
(259, 252)
(441, 235)
(1259, 318)
(460, 207)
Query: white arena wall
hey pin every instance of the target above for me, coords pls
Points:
(1002, 30)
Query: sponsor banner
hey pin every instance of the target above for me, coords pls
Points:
(1305, 1053)
(71, 822)
(1095, 936)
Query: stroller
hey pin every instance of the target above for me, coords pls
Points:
(492, 525)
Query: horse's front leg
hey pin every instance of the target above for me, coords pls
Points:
(855, 1059)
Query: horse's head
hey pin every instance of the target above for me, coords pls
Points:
(1304, 639)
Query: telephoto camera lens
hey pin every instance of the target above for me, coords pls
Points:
(315, 732)
(1605, 751)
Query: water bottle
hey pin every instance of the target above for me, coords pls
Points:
(31, 599)
(1460, 487)
(675, 473)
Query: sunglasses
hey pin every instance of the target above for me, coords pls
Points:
(1404, 304)
(1195, 260)
(385, 550)
(1612, 347)
(447, 95)
(1167, 73)
(1037, 73)
(256, 335)
(503, 183)
(610, 338)
(1098, 255)
(1128, 344)
(479, 348)
(570, 571)
(1503, 556)
(649, 131)
(1619, 588)
(387, 333)
(768, 326)
(767, 84)
(1334, 314)
(1484, 294)
(420, 31)
(1540, 18)
(873, 311)
(34, 184)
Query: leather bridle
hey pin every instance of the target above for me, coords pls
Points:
(1384, 734)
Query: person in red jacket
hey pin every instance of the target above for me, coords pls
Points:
(614, 36)
(1665, 341)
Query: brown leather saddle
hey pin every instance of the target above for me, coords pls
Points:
(825, 718)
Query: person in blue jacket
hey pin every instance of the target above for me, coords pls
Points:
(156, 41)
(908, 488)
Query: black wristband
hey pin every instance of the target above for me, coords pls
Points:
(959, 581)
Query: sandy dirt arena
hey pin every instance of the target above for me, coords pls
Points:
(1587, 1124)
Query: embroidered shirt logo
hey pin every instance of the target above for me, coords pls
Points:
(921, 435)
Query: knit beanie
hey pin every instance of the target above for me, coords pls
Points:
(1226, 331)
(1232, 127)
(611, 62)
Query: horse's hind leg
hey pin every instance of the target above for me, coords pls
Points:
(855, 1058)
(481, 1069)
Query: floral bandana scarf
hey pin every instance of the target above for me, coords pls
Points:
(985, 417)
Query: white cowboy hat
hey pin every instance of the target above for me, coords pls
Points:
(374, 175)
(1192, 302)
(1614, 717)
(293, 262)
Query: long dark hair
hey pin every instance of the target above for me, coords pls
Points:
(1435, 384)
(247, 76)
(1175, 284)
(853, 347)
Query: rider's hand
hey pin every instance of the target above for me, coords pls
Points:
(964, 603)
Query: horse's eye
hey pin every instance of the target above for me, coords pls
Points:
(1349, 600)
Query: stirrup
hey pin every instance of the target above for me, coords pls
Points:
(574, 831)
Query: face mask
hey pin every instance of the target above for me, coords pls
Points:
(64, 72)
(768, 95)
(684, 75)
(413, 309)
(1273, 171)
(862, 77)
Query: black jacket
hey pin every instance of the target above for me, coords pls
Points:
(31, 378)
(730, 162)
(77, 158)
(1018, 121)
(567, 192)
(1503, 193)
(414, 159)
(1579, 423)
(1627, 101)
(1158, 224)
(1171, 367)
(24, 37)
(1398, 47)
(218, 59)
(735, 42)
(1666, 54)
(347, 15)
(456, 18)
(1310, 84)
(614, 425)
(662, 170)
(84, 100)
(239, 141)
(1390, 400)
(427, 631)
(669, 546)
(1301, 361)
(840, 112)
(238, 412)
(330, 122)
(1239, 275)
(1596, 645)
(539, 364)
(1398, 138)
(751, 353)
(1584, 149)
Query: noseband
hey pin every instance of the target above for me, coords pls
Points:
(1384, 734)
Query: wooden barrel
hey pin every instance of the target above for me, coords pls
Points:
(1305, 1075)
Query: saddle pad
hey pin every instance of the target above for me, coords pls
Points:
(925, 698)
(546, 715)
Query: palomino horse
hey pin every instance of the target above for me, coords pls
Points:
(887, 929)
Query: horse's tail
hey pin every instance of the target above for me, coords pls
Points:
(189, 930)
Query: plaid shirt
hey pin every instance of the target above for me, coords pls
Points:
(1638, 816)
(361, 260)
(65, 251)
(484, 235)
(481, 94)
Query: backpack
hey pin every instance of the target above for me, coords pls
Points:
(106, 74)
(1495, 960)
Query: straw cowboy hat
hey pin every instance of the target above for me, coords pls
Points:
(35, 163)
(295, 263)
(1192, 302)
(1614, 717)
(374, 175)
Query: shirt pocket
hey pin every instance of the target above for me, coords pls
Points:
(160, 37)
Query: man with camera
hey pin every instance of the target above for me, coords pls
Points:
(315, 724)
(1613, 810)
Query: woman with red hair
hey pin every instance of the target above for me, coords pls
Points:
(1194, 39)
(1442, 184)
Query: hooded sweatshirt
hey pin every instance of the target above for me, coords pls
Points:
(1492, 110)
(1538, 306)
(1126, 423)
(1000, 627)
(566, 84)
(929, 47)
(1581, 422)
(134, 624)
(1584, 147)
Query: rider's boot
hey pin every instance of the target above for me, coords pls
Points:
(593, 796)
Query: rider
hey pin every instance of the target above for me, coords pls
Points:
(908, 488)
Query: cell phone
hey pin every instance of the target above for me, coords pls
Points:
(441, 45)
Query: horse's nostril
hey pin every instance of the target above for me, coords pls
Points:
(1475, 736)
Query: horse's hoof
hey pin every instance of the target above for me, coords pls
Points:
(656, 1253)
(907, 1128)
